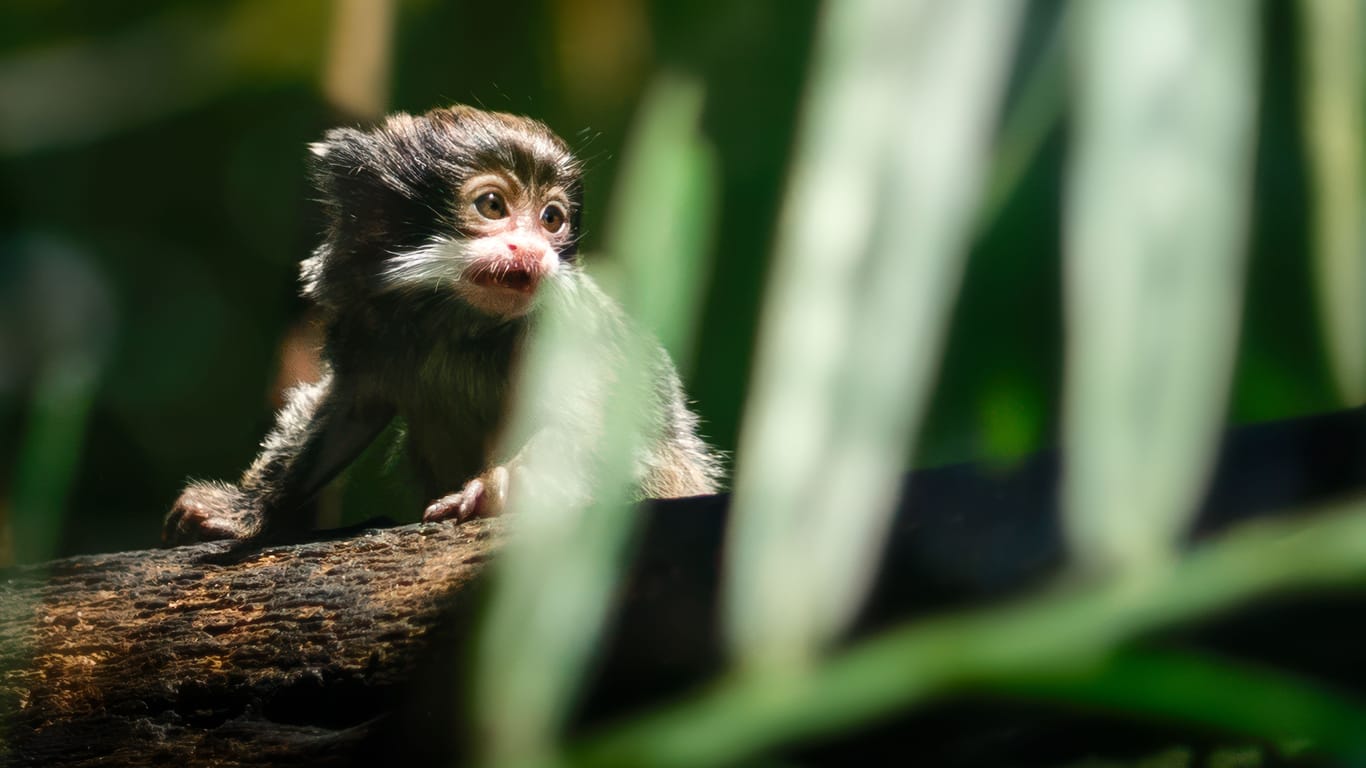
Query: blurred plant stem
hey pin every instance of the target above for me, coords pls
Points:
(359, 52)
(1155, 227)
(63, 304)
(888, 170)
(49, 454)
(1031, 117)
(1060, 642)
(1334, 33)
(1212, 691)
(557, 575)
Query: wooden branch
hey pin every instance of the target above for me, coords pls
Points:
(204, 655)
(350, 651)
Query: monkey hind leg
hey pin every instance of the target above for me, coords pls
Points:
(211, 511)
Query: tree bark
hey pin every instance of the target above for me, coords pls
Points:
(209, 655)
(350, 651)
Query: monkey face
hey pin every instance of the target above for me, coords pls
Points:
(513, 237)
(478, 206)
(505, 237)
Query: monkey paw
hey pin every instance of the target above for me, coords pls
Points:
(210, 512)
(484, 496)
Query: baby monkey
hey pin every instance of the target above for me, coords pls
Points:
(443, 231)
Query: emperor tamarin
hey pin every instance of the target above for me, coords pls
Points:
(442, 230)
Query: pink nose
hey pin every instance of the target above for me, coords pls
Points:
(526, 247)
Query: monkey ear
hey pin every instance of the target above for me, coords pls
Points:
(340, 148)
(339, 160)
(350, 162)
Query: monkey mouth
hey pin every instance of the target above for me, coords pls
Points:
(512, 277)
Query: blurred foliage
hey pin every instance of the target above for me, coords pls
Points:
(183, 187)
(193, 209)
(154, 205)
(901, 154)
(1155, 237)
(880, 202)
(1073, 641)
(1334, 69)
(557, 578)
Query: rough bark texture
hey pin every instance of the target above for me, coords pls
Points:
(202, 654)
(349, 651)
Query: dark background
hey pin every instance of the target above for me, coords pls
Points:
(154, 206)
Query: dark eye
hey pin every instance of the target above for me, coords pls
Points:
(552, 218)
(490, 205)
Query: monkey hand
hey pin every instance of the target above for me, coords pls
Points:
(484, 496)
(208, 511)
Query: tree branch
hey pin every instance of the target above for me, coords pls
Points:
(205, 654)
(350, 650)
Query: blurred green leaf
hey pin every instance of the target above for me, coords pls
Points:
(1064, 634)
(556, 576)
(1334, 51)
(63, 303)
(78, 91)
(1032, 116)
(663, 215)
(49, 454)
(1222, 693)
(1156, 218)
(883, 195)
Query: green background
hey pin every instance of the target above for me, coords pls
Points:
(154, 206)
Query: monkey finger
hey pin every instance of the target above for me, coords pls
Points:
(458, 506)
(471, 496)
(484, 496)
(208, 512)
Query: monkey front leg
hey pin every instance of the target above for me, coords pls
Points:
(321, 429)
(552, 465)
(483, 496)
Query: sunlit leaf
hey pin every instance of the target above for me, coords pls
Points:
(1334, 89)
(895, 138)
(557, 574)
(1156, 219)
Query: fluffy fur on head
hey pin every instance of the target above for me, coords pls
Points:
(389, 192)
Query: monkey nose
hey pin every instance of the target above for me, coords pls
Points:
(526, 249)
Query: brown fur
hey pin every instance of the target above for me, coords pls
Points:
(402, 342)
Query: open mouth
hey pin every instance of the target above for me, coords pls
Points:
(510, 277)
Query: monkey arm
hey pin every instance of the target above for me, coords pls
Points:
(553, 463)
(550, 463)
(321, 429)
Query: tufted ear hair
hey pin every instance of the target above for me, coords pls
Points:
(341, 159)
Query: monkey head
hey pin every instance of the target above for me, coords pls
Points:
(455, 203)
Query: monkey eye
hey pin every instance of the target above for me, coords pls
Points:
(552, 218)
(490, 205)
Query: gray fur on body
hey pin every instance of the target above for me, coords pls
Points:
(411, 348)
